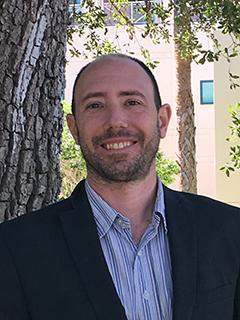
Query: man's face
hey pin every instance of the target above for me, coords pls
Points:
(117, 123)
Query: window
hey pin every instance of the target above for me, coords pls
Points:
(206, 92)
(130, 8)
(74, 6)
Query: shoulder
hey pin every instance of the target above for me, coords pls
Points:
(49, 214)
(199, 202)
(45, 221)
(209, 217)
(204, 211)
(34, 222)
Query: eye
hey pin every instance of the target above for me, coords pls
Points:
(94, 106)
(133, 102)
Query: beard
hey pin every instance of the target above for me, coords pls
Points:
(119, 167)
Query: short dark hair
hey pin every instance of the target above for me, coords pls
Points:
(157, 97)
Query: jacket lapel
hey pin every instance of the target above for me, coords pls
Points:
(82, 238)
(183, 251)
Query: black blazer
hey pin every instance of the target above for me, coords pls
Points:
(52, 266)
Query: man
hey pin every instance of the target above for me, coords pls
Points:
(123, 246)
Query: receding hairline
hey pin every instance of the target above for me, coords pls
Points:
(107, 57)
(115, 57)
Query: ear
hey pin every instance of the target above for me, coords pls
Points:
(72, 126)
(164, 115)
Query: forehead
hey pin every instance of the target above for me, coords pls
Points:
(113, 73)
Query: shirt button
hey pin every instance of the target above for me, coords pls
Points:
(146, 295)
(119, 221)
(139, 253)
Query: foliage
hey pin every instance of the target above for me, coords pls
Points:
(166, 169)
(189, 17)
(234, 140)
(73, 167)
(93, 21)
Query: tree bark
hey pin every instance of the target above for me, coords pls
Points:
(185, 105)
(186, 127)
(32, 66)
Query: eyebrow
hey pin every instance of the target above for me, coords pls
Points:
(92, 95)
(121, 94)
(132, 93)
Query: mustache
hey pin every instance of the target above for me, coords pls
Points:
(110, 133)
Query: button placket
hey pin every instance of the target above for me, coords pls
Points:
(139, 254)
(139, 308)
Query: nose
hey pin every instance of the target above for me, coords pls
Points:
(116, 117)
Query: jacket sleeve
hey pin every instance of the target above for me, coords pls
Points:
(12, 305)
(236, 315)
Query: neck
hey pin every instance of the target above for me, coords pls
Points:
(135, 200)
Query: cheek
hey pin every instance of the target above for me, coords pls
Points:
(146, 124)
(86, 132)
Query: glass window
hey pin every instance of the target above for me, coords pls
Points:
(129, 8)
(206, 92)
(74, 6)
(74, 1)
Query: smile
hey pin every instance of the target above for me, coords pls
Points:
(118, 145)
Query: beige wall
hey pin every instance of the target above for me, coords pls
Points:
(205, 131)
(227, 189)
(165, 74)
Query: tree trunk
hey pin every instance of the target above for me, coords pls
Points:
(32, 66)
(186, 127)
(185, 106)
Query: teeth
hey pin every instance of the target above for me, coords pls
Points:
(116, 146)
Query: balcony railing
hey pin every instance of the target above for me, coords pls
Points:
(130, 9)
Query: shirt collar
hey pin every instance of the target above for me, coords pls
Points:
(159, 208)
(105, 215)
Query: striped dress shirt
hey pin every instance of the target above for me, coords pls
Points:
(141, 273)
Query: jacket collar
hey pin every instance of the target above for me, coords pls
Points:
(183, 252)
(81, 235)
(82, 238)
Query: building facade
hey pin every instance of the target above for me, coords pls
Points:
(211, 99)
